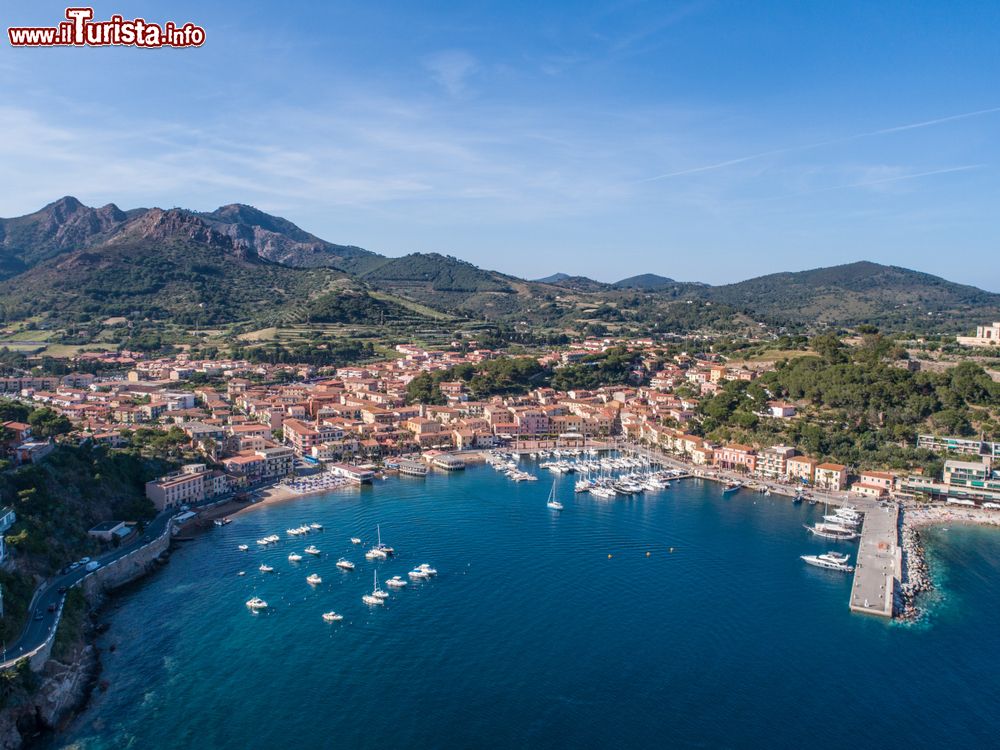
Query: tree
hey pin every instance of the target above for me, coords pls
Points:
(46, 423)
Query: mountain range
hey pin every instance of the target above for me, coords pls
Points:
(71, 262)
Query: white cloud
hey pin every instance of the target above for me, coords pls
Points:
(451, 69)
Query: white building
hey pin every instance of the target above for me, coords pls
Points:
(985, 336)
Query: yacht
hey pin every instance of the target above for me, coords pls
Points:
(395, 582)
(243, 548)
(332, 617)
(833, 531)
(603, 491)
(376, 554)
(345, 564)
(419, 575)
(830, 561)
(265, 568)
(256, 604)
(355, 540)
(312, 550)
(294, 557)
(380, 551)
(377, 596)
(842, 520)
(552, 502)
(314, 579)
(427, 569)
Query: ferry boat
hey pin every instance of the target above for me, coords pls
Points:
(833, 531)
(256, 603)
(830, 561)
(552, 502)
(332, 617)
(345, 564)
(314, 579)
(312, 550)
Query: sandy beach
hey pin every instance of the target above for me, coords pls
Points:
(918, 517)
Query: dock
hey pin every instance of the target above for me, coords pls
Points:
(878, 568)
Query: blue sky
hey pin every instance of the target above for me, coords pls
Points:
(701, 140)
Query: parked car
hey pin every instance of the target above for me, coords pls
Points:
(74, 566)
(84, 560)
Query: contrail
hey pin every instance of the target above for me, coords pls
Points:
(947, 170)
(843, 139)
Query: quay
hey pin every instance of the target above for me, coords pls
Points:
(878, 567)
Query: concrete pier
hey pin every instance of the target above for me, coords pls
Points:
(878, 567)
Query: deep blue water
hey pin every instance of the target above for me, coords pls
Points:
(531, 636)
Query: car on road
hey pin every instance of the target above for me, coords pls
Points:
(74, 566)
(84, 560)
(92, 566)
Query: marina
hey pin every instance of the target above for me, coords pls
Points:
(446, 638)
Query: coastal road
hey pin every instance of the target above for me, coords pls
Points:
(41, 620)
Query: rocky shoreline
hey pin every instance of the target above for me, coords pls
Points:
(64, 689)
(916, 576)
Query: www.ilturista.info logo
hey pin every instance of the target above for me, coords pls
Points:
(80, 30)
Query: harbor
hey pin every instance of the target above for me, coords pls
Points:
(879, 563)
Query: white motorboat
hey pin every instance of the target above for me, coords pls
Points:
(263, 542)
(293, 532)
(355, 540)
(294, 557)
(345, 564)
(395, 582)
(256, 604)
(842, 520)
(314, 579)
(419, 575)
(265, 568)
(312, 550)
(427, 569)
(242, 573)
(316, 526)
(243, 548)
(830, 561)
(552, 502)
(332, 617)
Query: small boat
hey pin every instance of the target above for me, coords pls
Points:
(797, 500)
(355, 540)
(332, 617)
(314, 579)
(552, 502)
(263, 542)
(377, 596)
(265, 568)
(312, 550)
(316, 526)
(395, 582)
(427, 569)
(294, 557)
(256, 604)
(418, 575)
(242, 573)
(732, 487)
(243, 548)
(345, 564)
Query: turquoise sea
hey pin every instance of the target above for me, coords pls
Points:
(677, 619)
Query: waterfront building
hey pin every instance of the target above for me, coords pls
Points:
(831, 476)
(967, 446)
(736, 457)
(801, 469)
(773, 462)
(873, 484)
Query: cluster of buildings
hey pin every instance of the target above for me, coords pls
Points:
(256, 423)
(986, 335)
